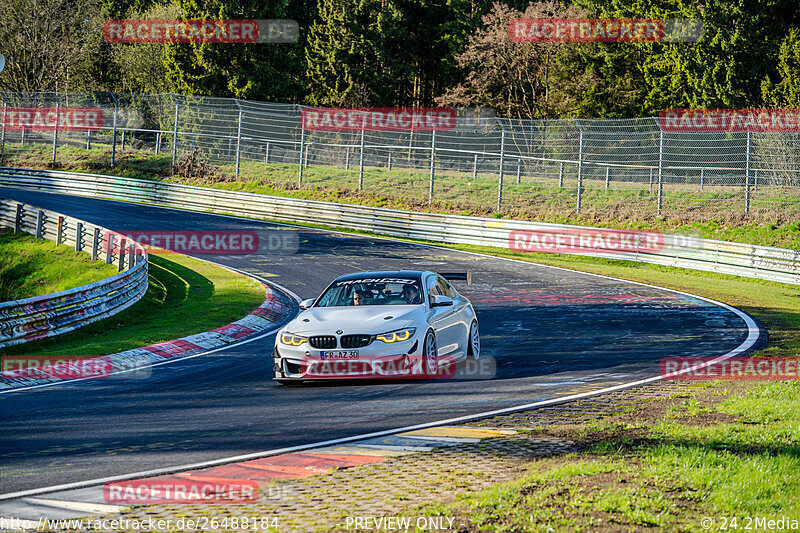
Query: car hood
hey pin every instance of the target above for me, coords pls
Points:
(368, 319)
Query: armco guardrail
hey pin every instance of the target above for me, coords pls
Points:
(762, 262)
(53, 314)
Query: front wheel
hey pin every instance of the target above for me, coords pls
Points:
(430, 355)
(474, 341)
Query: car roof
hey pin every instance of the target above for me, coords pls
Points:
(401, 274)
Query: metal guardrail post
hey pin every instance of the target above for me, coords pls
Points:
(239, 140)
(109, 248)
(660, 172)
(433, 166)
(747, 177)
(55, 131)
(561, 175)
(60, 230)
(114, 133)
(95, 243)
(475, 168)
(79, 237)
(502, 165)
(122, 245)
(302, 146)
(175, 133)
(3, 134)
(361, 161)
(39, 224)
(18, 219)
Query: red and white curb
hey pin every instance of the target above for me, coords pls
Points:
(137, 363)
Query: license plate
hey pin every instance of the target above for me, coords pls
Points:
(339, 354)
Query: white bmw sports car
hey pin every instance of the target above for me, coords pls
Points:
(389, 325)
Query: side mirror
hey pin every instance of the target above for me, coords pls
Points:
(305, 304)
(441, 301)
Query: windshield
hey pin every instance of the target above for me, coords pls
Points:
(372, 291)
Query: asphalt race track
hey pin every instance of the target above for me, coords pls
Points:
(551, 332)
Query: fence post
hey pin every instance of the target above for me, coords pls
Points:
(755, 179)
(22, 137)
(39, 223)
(502, 164)
(433, 165)
(238, 139)
(114, 133)
(347, 160)
(302, 144)
(580, 169)
(266, 154)
(55, 131)
(361, 161)
(175, 133)
(519, 169)
(660, 171)
(702, 178)
(651, 181)
(122, 148)
(475, 168)
(110, 248)
(389, 165)
(561, 174)
(59, 230)
(608, 176)
(122, 245)
(747, 178)
(158, 142)
(18, 219)
(306, 152)
(95, 243)
(78, 236)
(3, 137)
(88, 139)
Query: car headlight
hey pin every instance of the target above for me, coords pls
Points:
(290, 339)
(397, 335)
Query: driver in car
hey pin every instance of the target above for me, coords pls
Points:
(411, 294)
(359, 296)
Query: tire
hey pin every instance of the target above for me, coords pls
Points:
(430, 355)
(474, 341)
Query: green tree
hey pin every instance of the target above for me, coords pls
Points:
(258, 71)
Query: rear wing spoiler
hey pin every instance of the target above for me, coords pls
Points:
(458, 276)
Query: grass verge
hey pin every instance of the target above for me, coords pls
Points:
(30, 267)
(184, 296)
(723, 458)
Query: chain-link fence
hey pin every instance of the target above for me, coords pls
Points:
(609, 168)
